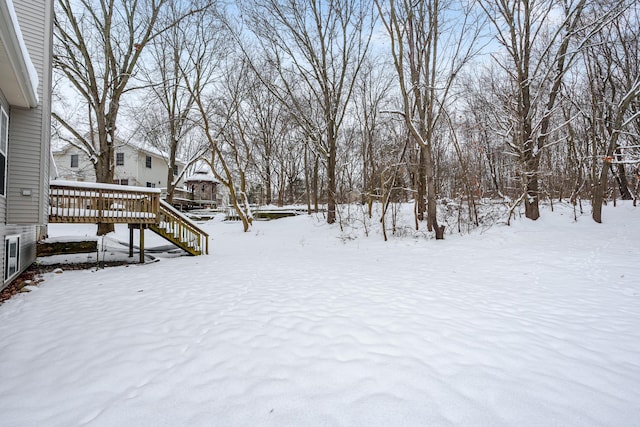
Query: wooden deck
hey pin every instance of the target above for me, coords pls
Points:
(81, 202)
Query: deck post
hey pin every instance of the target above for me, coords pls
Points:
(141, 243)
(130, 240)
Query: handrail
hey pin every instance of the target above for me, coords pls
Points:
(102, 203)
(82, 202)
(171, 220)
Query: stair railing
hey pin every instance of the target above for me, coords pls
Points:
(182, 228)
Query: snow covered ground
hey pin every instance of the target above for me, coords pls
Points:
(291, 324)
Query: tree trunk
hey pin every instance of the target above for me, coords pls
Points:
(531, 208)
(267, 185)
(531, 165)
(104, 174)
(599, 188)
(331, 183)
(307, 179)
(621, 177)
(421, 206)
(432, 217)
(315, 186)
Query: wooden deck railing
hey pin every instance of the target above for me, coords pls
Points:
(177, 228)
(79, 202)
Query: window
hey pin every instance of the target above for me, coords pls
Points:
(119, 159)
(4, 142)
(74, 160)
(11, 256)
(175, 170)
(147, 162)
(121, 181)
(151, 184)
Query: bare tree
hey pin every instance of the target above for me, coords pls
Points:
(98, 45)
(270, 125)
(372, 96)
(612, 63)
(317, 49)
(166, 118)
(540, 40)
(219, 103)
(431, 41)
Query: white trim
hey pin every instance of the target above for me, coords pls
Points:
(4, 150)
(18, 55)
(7, 260)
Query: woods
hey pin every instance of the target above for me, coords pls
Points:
(326, 103)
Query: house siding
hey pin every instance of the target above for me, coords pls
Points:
(85, 170)
(28, 239)
(3, 207)
(29, 130)
(157, 174)
(134, 169)
(129, 170)
(24, 211)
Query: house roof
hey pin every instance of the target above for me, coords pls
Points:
(202, 175)
(154, 152)
(19, 79)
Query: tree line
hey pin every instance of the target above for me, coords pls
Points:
(327, 102)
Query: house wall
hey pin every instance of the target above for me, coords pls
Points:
(25, 209)
(129, 170)
(29, 129)
(134, 169)
(157, 174)
(3, 207)
(85, 170)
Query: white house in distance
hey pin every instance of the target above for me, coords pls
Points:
(142, 167)
(26, 35)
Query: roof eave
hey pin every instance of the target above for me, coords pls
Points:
(26, 95)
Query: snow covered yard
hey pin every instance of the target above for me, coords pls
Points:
(537, 324)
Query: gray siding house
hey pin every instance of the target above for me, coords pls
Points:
(25, 106)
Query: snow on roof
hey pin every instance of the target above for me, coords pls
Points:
(150, 150)
(14, 40)
(202, 175)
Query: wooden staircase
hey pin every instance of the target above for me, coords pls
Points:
(180, 230)
(142, 208)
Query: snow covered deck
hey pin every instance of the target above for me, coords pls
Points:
(80, 202)
(140, 207)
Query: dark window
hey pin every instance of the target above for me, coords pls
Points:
(3, 173)
(119, 159)
(4, 141)
(151, 184)
(124, 182)
(147, 162)
(74, 160)
(11, 257)
(175, 170)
